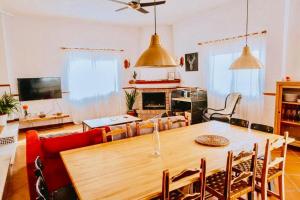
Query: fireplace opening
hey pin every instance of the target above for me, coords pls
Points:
(154, 101)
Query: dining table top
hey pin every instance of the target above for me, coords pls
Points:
(128, 169)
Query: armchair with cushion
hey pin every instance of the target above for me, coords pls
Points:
(225, 113)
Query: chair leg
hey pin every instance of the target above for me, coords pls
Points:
(250, 196)
(264, 191)
(281, 187)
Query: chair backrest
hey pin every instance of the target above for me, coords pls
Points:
(148, 127)
(41, 189)
(248, 177)
(261, 127)
(176, 122)
(231, 102)
(115, 131)
(185, 173)
(239, 122)
(278, 162)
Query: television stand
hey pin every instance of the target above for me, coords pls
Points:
(29, 121)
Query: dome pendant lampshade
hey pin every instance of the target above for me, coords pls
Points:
(155, 56)
(246, 60)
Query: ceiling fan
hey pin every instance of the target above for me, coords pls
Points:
(137, 5)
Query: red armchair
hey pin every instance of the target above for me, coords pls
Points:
(48, 149)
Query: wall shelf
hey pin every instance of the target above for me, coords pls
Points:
(291, 103)
(291, 122)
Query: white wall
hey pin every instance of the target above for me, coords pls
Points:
(227, 21)
(3, 66)
(33, 49)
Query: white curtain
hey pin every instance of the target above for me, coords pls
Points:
(221, 81)
(93, 80)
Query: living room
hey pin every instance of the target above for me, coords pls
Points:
(75, 70)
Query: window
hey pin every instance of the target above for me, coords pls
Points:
(91, 76)
(224, 81)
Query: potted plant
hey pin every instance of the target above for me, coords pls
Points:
(8, 104)
(130, 100)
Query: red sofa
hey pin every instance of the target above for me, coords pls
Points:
(48, 149)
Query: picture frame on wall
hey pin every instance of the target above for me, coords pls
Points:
(191, 62)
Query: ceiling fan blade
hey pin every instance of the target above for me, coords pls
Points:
(142, 10)
(121, 2)
(152, 3)
(121, 9)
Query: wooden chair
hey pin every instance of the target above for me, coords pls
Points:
(148, 127)
(270, 169)
(239, 122)
(261, 127)
(177, 123)
(117, 130)
(224, 185)
(199, 195)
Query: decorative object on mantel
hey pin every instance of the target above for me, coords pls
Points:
(8, 104)
(246, 60)
(25, 109)
(134, 75)
(287, 79)
(130, 100)
(171, 76)
(181, 61)
(212, 140)
(155, 56)
(126, 63)
(191, 62)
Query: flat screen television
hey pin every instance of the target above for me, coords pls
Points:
(39, 88)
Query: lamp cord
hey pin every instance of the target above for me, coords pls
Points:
(247, 22)
(154, 18)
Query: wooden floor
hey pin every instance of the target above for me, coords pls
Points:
(18, 187)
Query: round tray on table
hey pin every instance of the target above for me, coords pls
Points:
(212, 140)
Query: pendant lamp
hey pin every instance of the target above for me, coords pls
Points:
(246, 60)
(155, 56)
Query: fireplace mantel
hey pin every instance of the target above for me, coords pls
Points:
(155, 83)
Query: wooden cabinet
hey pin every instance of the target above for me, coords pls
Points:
(287, 112)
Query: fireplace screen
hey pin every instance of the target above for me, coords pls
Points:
(154, 101)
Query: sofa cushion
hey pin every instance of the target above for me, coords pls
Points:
(55, 173)
(52, 146)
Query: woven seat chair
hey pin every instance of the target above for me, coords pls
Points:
(115, 131)
(177, 122)
(179, 195)
(148, 127)
(225, 185)
(268, 170)
(239, 122)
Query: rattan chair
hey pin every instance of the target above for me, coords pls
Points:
(231, 102)
(179, 195)
(262, 127)
(239, 122)
(268, 170)
(225, 185)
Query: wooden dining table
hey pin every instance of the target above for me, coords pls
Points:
(128, 169)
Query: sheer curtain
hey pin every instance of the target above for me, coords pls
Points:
(93, 80)
(221, 81)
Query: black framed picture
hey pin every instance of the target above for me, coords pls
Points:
(191, 62)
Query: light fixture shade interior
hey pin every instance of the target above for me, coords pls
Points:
(246, 61)
(155, 56)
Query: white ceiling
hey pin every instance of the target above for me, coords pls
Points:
(103, 10)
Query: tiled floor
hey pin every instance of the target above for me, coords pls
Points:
(18, 188)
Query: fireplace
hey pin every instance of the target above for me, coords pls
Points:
(154, 100)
